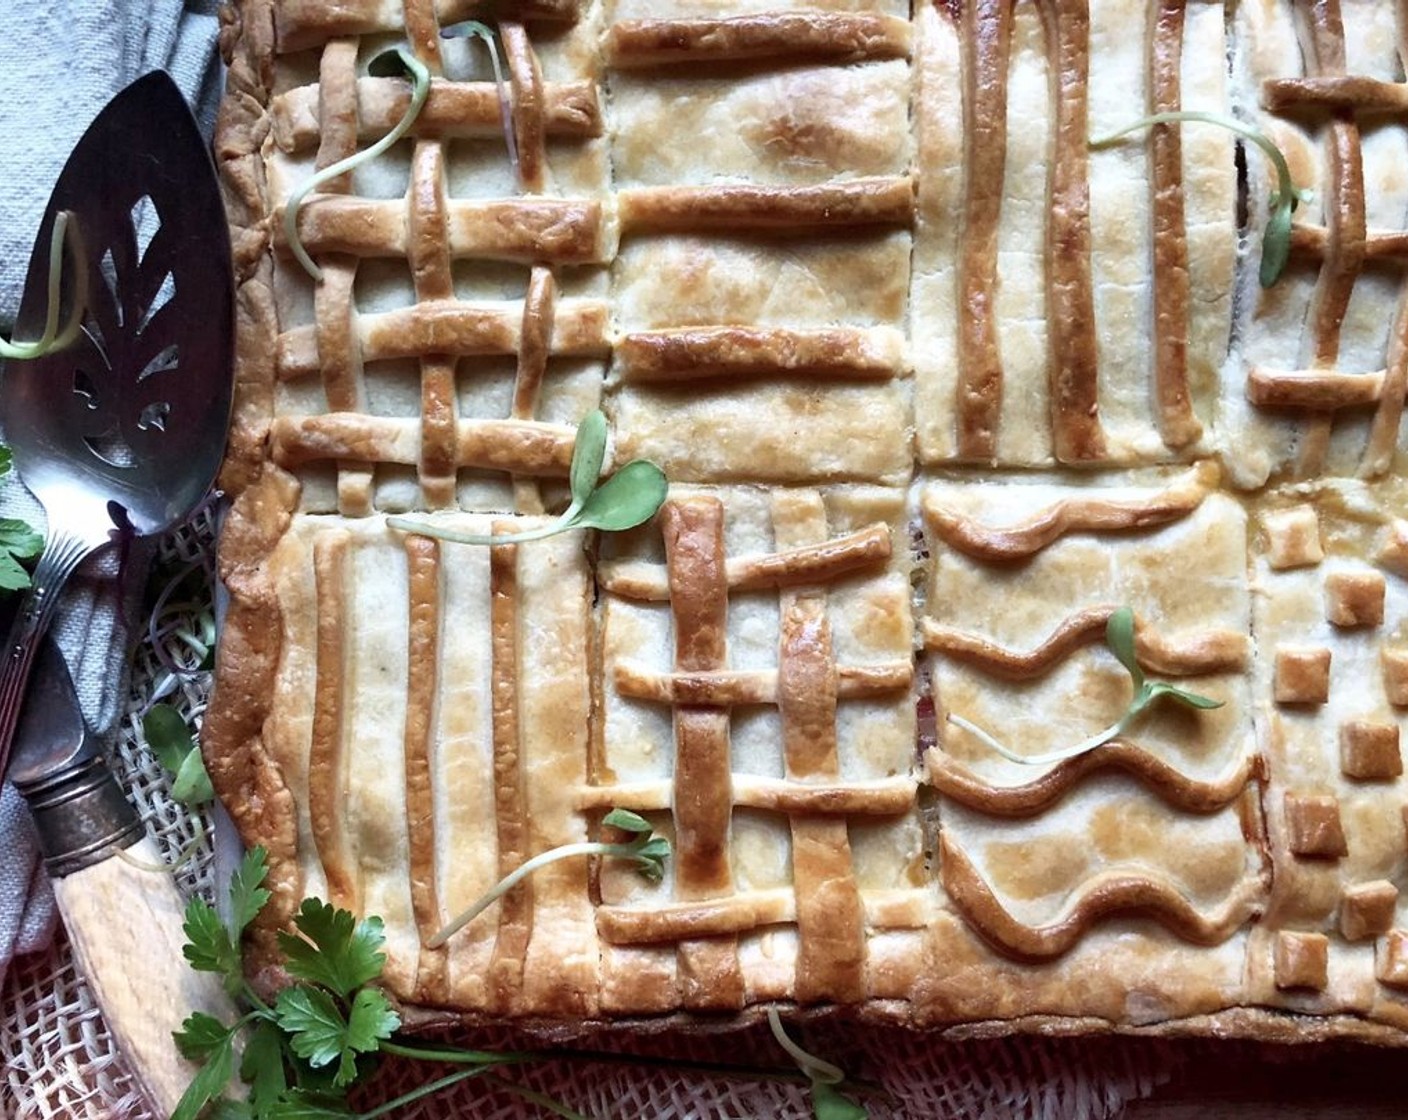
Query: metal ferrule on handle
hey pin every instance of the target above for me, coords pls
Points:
(81, 815)
(62, 555)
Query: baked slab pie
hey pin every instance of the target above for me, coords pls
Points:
(939, 388)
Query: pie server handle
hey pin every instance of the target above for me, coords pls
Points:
(118, 898)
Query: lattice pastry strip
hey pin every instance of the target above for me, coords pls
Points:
(1325, 365)
(438, 330)
(824, 879)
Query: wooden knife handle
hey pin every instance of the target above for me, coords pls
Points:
(125, 925)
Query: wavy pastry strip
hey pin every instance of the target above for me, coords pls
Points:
(1106, 895)
(1070, 515)
(1175, 788)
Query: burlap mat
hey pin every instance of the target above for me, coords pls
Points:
(59, 1062)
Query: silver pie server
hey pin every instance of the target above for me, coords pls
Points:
(120, 432)
(123, 430)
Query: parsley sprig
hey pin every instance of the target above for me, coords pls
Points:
(628, 498)
(1119, 636)
(302, 1054)
(1276, 239)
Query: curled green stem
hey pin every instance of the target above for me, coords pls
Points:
(420, 89)
(52, 338)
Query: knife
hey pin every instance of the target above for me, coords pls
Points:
(118, 900)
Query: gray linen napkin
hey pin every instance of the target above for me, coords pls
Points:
(59, 64)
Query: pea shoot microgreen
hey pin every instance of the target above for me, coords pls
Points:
(626, 499)
(170, 740)
(828, 1103)
(1119, 637)
(648, 851)
(396, 62)
(52, 338)
(473, 29)
(1276, 240)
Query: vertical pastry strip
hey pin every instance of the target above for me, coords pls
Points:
(1075, 410)
(1173, 405)
(988, 25)
(510, 804)
(703, 800)
(830, 918)
(326, 788)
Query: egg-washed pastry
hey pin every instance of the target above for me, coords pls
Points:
(977, 427)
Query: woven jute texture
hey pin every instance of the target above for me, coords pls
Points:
(60, 1064)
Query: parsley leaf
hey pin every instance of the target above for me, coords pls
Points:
(337, 953)
(319, 1032)
(209, 947)
(17, 542)
(200, 1036)
(210, 1080)
(262, 1067)
(247, 897)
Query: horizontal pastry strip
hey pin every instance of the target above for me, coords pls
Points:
(1317, 389)
(729, 687)
(790, 37)
(579, 327)
(517, 446)
(452, 110)
(307, 23)
(745, 208)
(814, 563)
(957, 782)
(884, 797)
(740, 913)
(530, 230)
(1287, 95)
(700, 353)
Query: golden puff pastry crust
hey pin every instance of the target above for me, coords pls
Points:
(939, 387)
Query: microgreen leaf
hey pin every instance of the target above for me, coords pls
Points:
(829, 1104)
(7, 459)
(192, 785)
(628, 498)
(1119, 637)
(588, 454)
(210, 1080)
(827, 1101)
(648, 853)
(169, 739)
(420, 77)
(473, 29)
(339, 952)
(626, 821)
(1276, 238)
